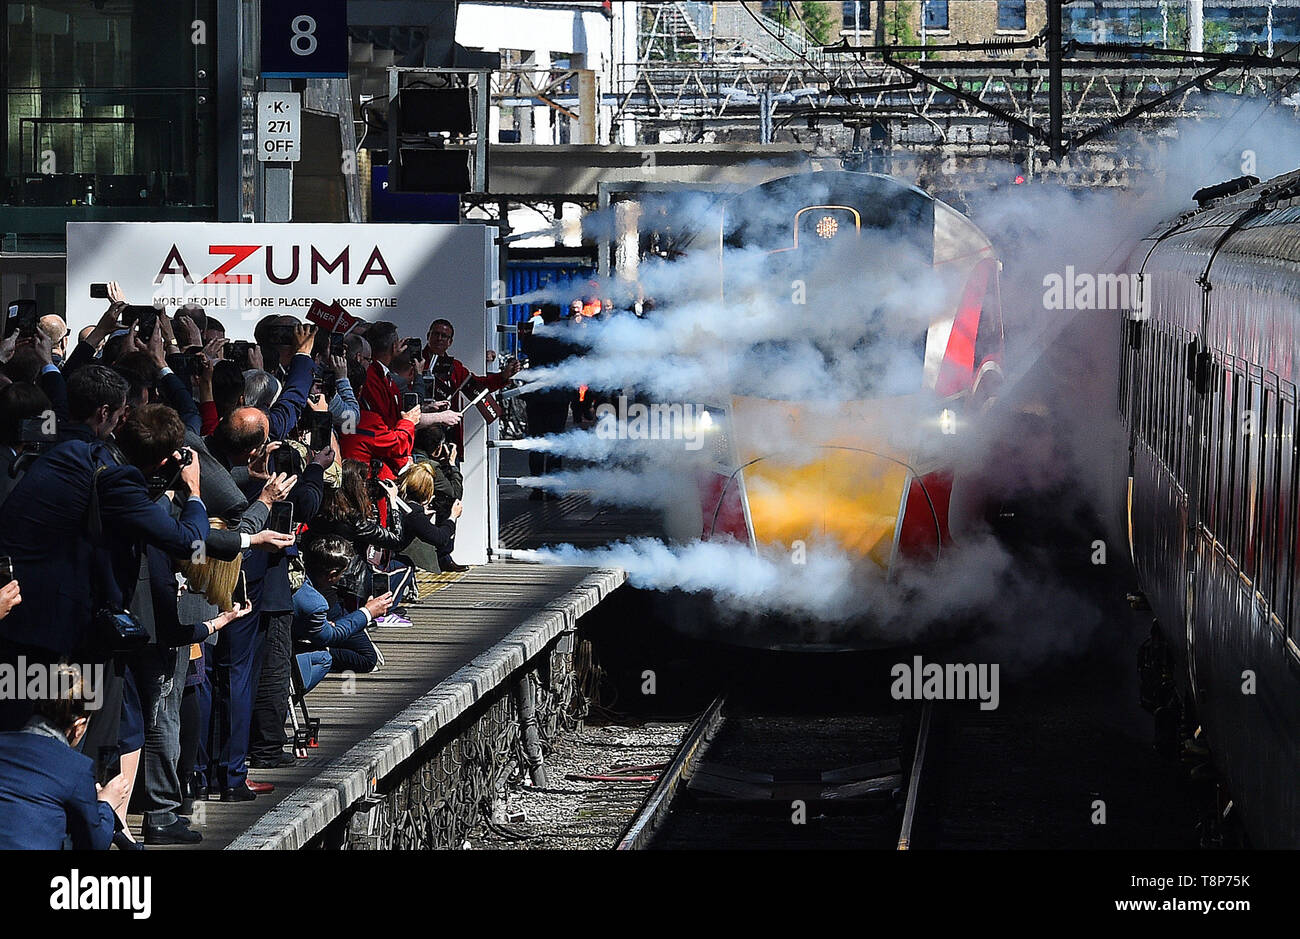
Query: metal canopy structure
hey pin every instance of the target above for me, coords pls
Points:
(1039, 93)
(574, 173)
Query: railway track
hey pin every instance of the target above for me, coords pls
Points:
(742, 779)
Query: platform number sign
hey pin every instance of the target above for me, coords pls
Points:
(279, 126)
(304, 38)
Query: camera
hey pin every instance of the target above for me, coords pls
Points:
(34, 436)
(237, 352)
(165, 476)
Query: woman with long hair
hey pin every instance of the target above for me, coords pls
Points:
(350, 512)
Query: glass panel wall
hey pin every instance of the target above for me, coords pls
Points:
(109, 113)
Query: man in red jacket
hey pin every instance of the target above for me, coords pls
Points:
(385, 432)
(441, 333)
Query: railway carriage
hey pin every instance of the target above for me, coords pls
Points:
(1208, 396)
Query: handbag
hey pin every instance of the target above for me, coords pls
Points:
(116, 629)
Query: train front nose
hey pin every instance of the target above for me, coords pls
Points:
(847, 487)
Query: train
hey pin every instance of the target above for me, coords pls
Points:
(1211, 503)
(873, 498)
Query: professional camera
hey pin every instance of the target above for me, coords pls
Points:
(166, 475)
(34, 436)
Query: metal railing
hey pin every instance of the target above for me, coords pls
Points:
(742, 32)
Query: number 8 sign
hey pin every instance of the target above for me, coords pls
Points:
(304, 39)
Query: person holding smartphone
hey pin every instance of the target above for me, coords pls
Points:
(337, 640)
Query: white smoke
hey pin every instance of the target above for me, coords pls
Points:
(859, 341)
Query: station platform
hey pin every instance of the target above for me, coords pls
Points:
(470, 631)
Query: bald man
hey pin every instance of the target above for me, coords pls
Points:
(54, 327)
(254, 653)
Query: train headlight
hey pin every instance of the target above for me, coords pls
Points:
(947, 422)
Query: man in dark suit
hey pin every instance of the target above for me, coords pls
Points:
(67, 574)
(47, 789)
(241, 444)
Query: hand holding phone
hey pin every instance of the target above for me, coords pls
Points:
(281, 517)
(239, 596)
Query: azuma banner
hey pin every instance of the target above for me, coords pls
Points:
(239, 273)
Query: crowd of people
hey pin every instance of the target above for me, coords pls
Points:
(192, 528)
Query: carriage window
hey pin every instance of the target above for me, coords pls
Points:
(1253, 423)
(1286, 511)
(1266, 527)
(1210, 477)
(1231, 478)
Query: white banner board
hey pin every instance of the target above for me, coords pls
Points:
(407, 274)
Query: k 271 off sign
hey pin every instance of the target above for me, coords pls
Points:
(279, 126)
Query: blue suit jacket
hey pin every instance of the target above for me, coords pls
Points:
(65, 577)
(47, 790)
(284, 413)
(316, 622)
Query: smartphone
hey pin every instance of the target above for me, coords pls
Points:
(184, 364)
(281, 518)
(239, 596)
(414, 346)
(99, 291)
(143, 318)
(35, 435)
(381, 584)
(284, 459)
(410, 400)
(338, 344)
(21, 318)
(6, 569)
(318, 428)
(280, 336)
(110, 766)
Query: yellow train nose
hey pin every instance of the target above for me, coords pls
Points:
(845, 496)
(843, 485)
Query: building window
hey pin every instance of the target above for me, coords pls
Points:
(97, 123)
(935, 13)
(1011, 14)
(857, 15)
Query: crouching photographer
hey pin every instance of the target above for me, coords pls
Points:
(332, 641)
